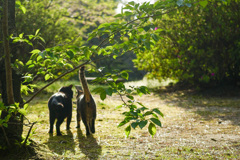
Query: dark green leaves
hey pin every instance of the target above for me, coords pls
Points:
(158, 112)
(124, 74)
(21, 7)
(156, 121)
(134, 124)
(102, 92)
(143, 123)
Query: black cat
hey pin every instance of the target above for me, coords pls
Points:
(60, 107)
(86, 106)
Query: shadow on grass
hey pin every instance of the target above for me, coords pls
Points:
(89, 146)
(221, 103)
(61, 144)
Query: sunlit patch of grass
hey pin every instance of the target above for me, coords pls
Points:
(207, 113)
(184, 118)
(185, 152)
(150, 83)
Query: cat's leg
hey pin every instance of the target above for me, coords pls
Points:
(93, 126)
(78, 119)
(69, 119)
(59, 122)
(51, 121)
(86, 126)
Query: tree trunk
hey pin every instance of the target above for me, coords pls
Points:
(6, 47)
(10, 82)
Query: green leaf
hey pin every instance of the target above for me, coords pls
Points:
(152, 129)
(144, 89)
(47, 77)
(109, 91)
(203, 3)
(25, 106)
(146, 28)
(147, 44)
(21, 35)
(130, 97)
(35, 51)
(37, 31)
(127, 13)
(155, 37)
(118, 15)
(158, 112)
(23, 9)
(131, 3)
(41, 39)
(127, 130)
(124, 75)
(39, 58)
(134, 124)
(114, 77)
(46, 62)
(22, 111)
(156, 121)
(118, 107)
(143, 124)
(68, 65)
(103, 95)
(147, 113)
(98, 90)
(70, 54)
(28, 42)
(123, 123)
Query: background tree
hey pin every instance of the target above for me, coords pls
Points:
(199, 45)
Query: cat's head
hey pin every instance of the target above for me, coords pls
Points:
(79, 91)
(67, 90)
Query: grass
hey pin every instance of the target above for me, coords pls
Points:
(194, 127)
(150, 83)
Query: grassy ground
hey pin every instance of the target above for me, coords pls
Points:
(195, 126)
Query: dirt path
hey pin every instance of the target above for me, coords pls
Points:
(193, 128)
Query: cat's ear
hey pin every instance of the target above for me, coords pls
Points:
(78, 87)
(70, 86)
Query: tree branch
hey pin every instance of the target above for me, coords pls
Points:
(29, 131)
(30, 99)
(149, 16)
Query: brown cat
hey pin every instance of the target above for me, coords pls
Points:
(86, 106)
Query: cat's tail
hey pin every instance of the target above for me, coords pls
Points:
(83, 80)
(57, 105)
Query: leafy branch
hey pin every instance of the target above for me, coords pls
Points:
(46, 62)
(35, 94)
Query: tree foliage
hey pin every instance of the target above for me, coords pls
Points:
(198, 45)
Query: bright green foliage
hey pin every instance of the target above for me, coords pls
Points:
(11, 110)
(197, 45)
(138, 114)
(44, 24)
